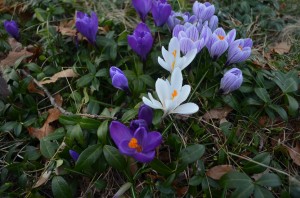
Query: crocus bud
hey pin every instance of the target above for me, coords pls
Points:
(74, 155)
(12, 29)
(213, 23)
(134, 124)
(232, 80)
(142, 7)
(141, 40)
(203, 11)
(118, 78)
(146, 113)
(161, 11)
(87, 26)
(239, 51)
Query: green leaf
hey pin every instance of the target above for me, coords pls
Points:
(195, 180)
(85, 123)
(60, 187)
(85, 80)
(40, 14)
(32, 153)
(88, 157)
(102, 72)
(280, 111)
(261, 192)
(269, 179)
(191, 153)
(102, 132)
(243, 191)
(75, 132)
(48, 148)
(294, 187)
(147, 80)
(290, 85)
(235, 180)
(262, 94)
(160, 167)
(114, 158)
(128, 115)
(262, 158)
(293, 105)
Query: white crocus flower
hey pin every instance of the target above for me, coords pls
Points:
(171, 95)
(172, 57)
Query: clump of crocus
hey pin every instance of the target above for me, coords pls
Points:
(190, 38)
(203, 11)
(239, 51)
(161, 11)
(12, 29)
(219, 42)
(139, 144)
(172, 58)
(87, 26)
(118, 78)
(141, 40)
(142, 7)
(232, 80)
(171, 95)
(74, 155)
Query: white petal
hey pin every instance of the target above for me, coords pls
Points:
(176, 80)
(174, 45)
(155, 102)
(189, 57)
(162, 90)
(168, 57)
(163, 64)
(187, 108)
(183, 95)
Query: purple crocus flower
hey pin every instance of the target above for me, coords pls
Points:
(239, 51)
(219, 42)
(203, 11)
(87, 26)
(146, 113)
(141, 40)
(118, 78)
(142, 7)
(213, 23)
(135, 124)
(74, 155)
(161, 11)
(139, 144)
(180, 18)
(232, 80)
(12, 29)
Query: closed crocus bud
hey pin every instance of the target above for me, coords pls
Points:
(239, 51)
(87, 26)
(232, 80)
(146, 113)
(213, 23)
(161, 11)
(141, 40)
(12, 29)
(142, 7)
(74, 155)
(203, 11)
(118, 78)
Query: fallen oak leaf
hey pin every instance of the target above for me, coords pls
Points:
(295, 153)
(217, 113)
(281, 48)
(43, 179)
(13, 56)
(217, 172)
(32, 89)
(62, 74)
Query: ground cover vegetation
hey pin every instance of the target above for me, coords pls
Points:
(142, 98)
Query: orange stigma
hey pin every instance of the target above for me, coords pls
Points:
(174, 53)
(241, 48)
(174, 94)
(173, 64)
(221, 37)
(133, 143)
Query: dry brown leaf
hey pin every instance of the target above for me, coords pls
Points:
(217, 172)
(62, 74)
(12, 57)
(218, 113)
(32, 89)
(46, 129)
(15, 45)
(281, 48)
(181, 191)
(295, 153)
(58, 99)
(43, 179)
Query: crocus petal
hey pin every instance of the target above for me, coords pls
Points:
(135, 124)
(162, 89)
(189, 57)
(186, 45)
(119, 132)
(74, 155)
(218, 48)
(144, 157)
(187, 108)
(124, 148)
(12, 29)
(184, 93)
(140, 134)
(153, 140)
(231, 36)
(162, 63)
(176, 80)
(193, 33)
(145, 113)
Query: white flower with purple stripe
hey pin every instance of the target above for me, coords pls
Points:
(239, 51)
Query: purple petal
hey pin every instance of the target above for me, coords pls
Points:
(153, 140)
(146, 113)
(208, 13)
(218, 48)
(120, 81)
(177, 29)
(124, 148)
(192, 33)
(213, 22)
(74, 155)
(140, 134)
(231, 80)
(144, 157)
(231, 36)
(135, 124)
(142, 7)
(12, 29)
(160, 12)
(248, 42)
(186, 45)
(119, 132)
